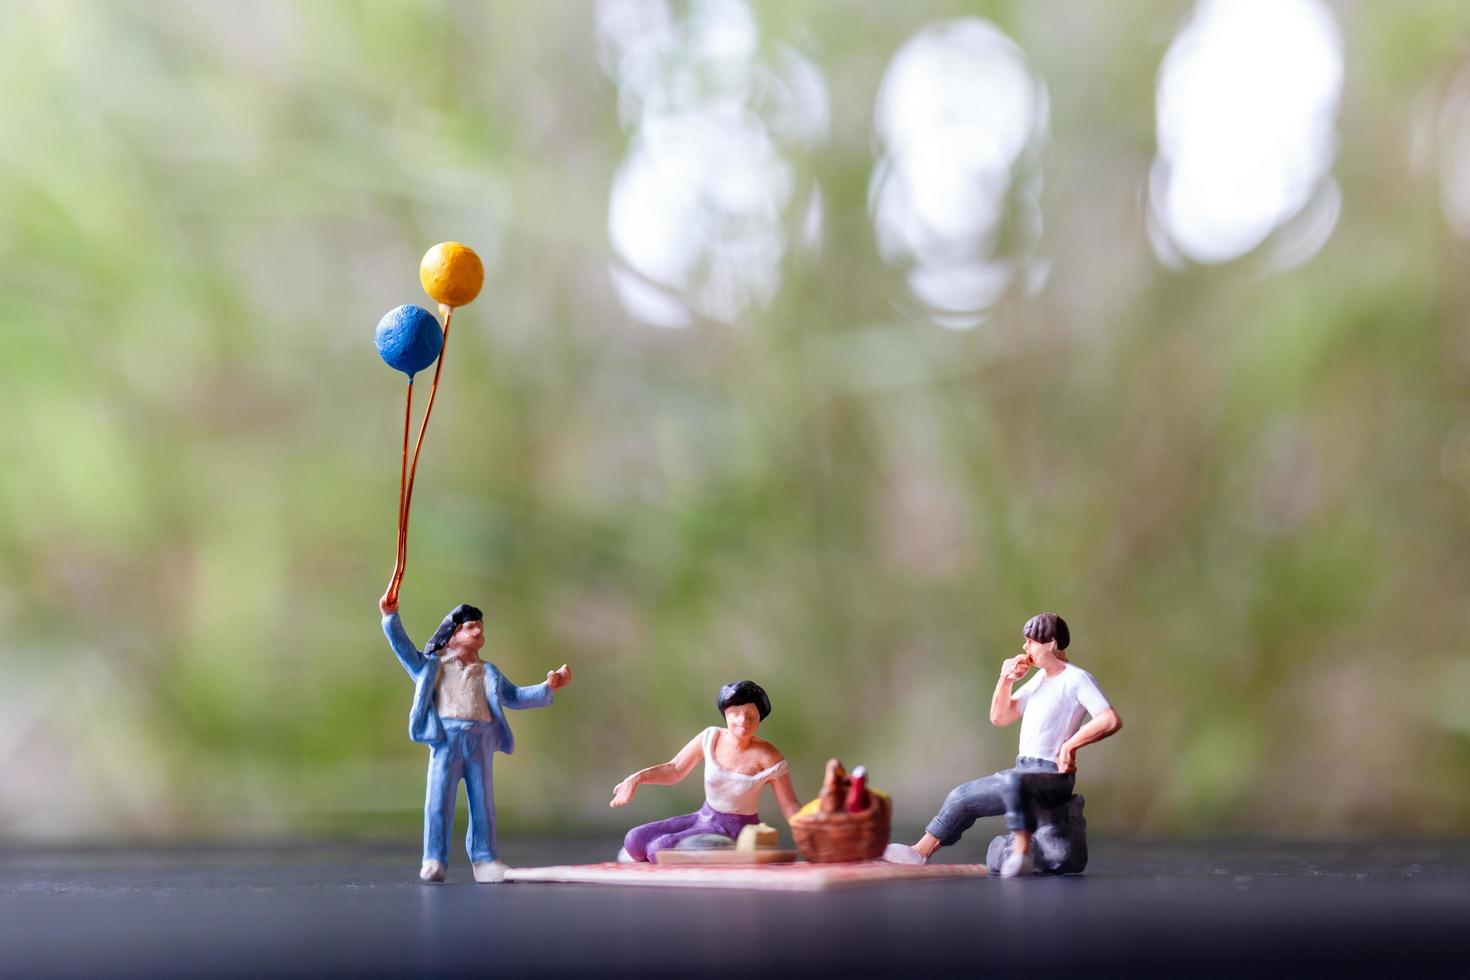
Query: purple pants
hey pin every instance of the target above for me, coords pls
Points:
(642, 843)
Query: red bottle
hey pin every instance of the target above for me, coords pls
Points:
(858, 797)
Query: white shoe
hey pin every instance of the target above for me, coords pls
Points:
(432, 871)
(903, 854)
(489, 872)
(624, 857)
(1017, 864)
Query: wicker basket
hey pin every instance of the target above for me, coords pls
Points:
(827, 837)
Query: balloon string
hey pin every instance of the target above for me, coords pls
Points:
(398, 555)
(413, 466)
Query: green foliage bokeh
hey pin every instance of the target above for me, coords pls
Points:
(1246, 489)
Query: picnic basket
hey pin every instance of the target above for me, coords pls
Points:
(825, 835)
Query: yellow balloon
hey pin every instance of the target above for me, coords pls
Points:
(452, 273)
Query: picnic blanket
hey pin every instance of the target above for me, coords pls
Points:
(800, 877)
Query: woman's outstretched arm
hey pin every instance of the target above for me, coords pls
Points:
(667, 774)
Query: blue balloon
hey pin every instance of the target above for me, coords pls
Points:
(409, 339)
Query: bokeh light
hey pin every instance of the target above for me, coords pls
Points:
(708, 196)
(1247, 103)
(960, 118)
(1452, 129)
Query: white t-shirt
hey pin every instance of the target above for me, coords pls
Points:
(1052, 709)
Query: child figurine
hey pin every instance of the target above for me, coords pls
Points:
(457, 710)
(1050, 707)
(737, 766)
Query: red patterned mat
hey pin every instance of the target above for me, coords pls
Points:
(802, 877)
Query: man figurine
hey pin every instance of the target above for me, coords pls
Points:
(457, 710)
(1050, 707)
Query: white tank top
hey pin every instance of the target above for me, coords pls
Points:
(733, 792)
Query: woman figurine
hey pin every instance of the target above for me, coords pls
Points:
(737, 766)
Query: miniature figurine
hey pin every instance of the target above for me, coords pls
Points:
(1050, 707)
(457, 711)
(737, 766)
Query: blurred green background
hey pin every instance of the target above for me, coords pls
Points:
(821, 344)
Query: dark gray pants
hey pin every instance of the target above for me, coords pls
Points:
(1018, 793)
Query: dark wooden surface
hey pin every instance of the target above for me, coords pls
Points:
(1159, 909)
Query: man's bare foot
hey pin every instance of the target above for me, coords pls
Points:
(903, 854)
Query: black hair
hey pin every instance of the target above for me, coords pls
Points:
(462, 613)
(1045, 627)
(737, 693)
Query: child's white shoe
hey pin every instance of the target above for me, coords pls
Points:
(489, 872)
